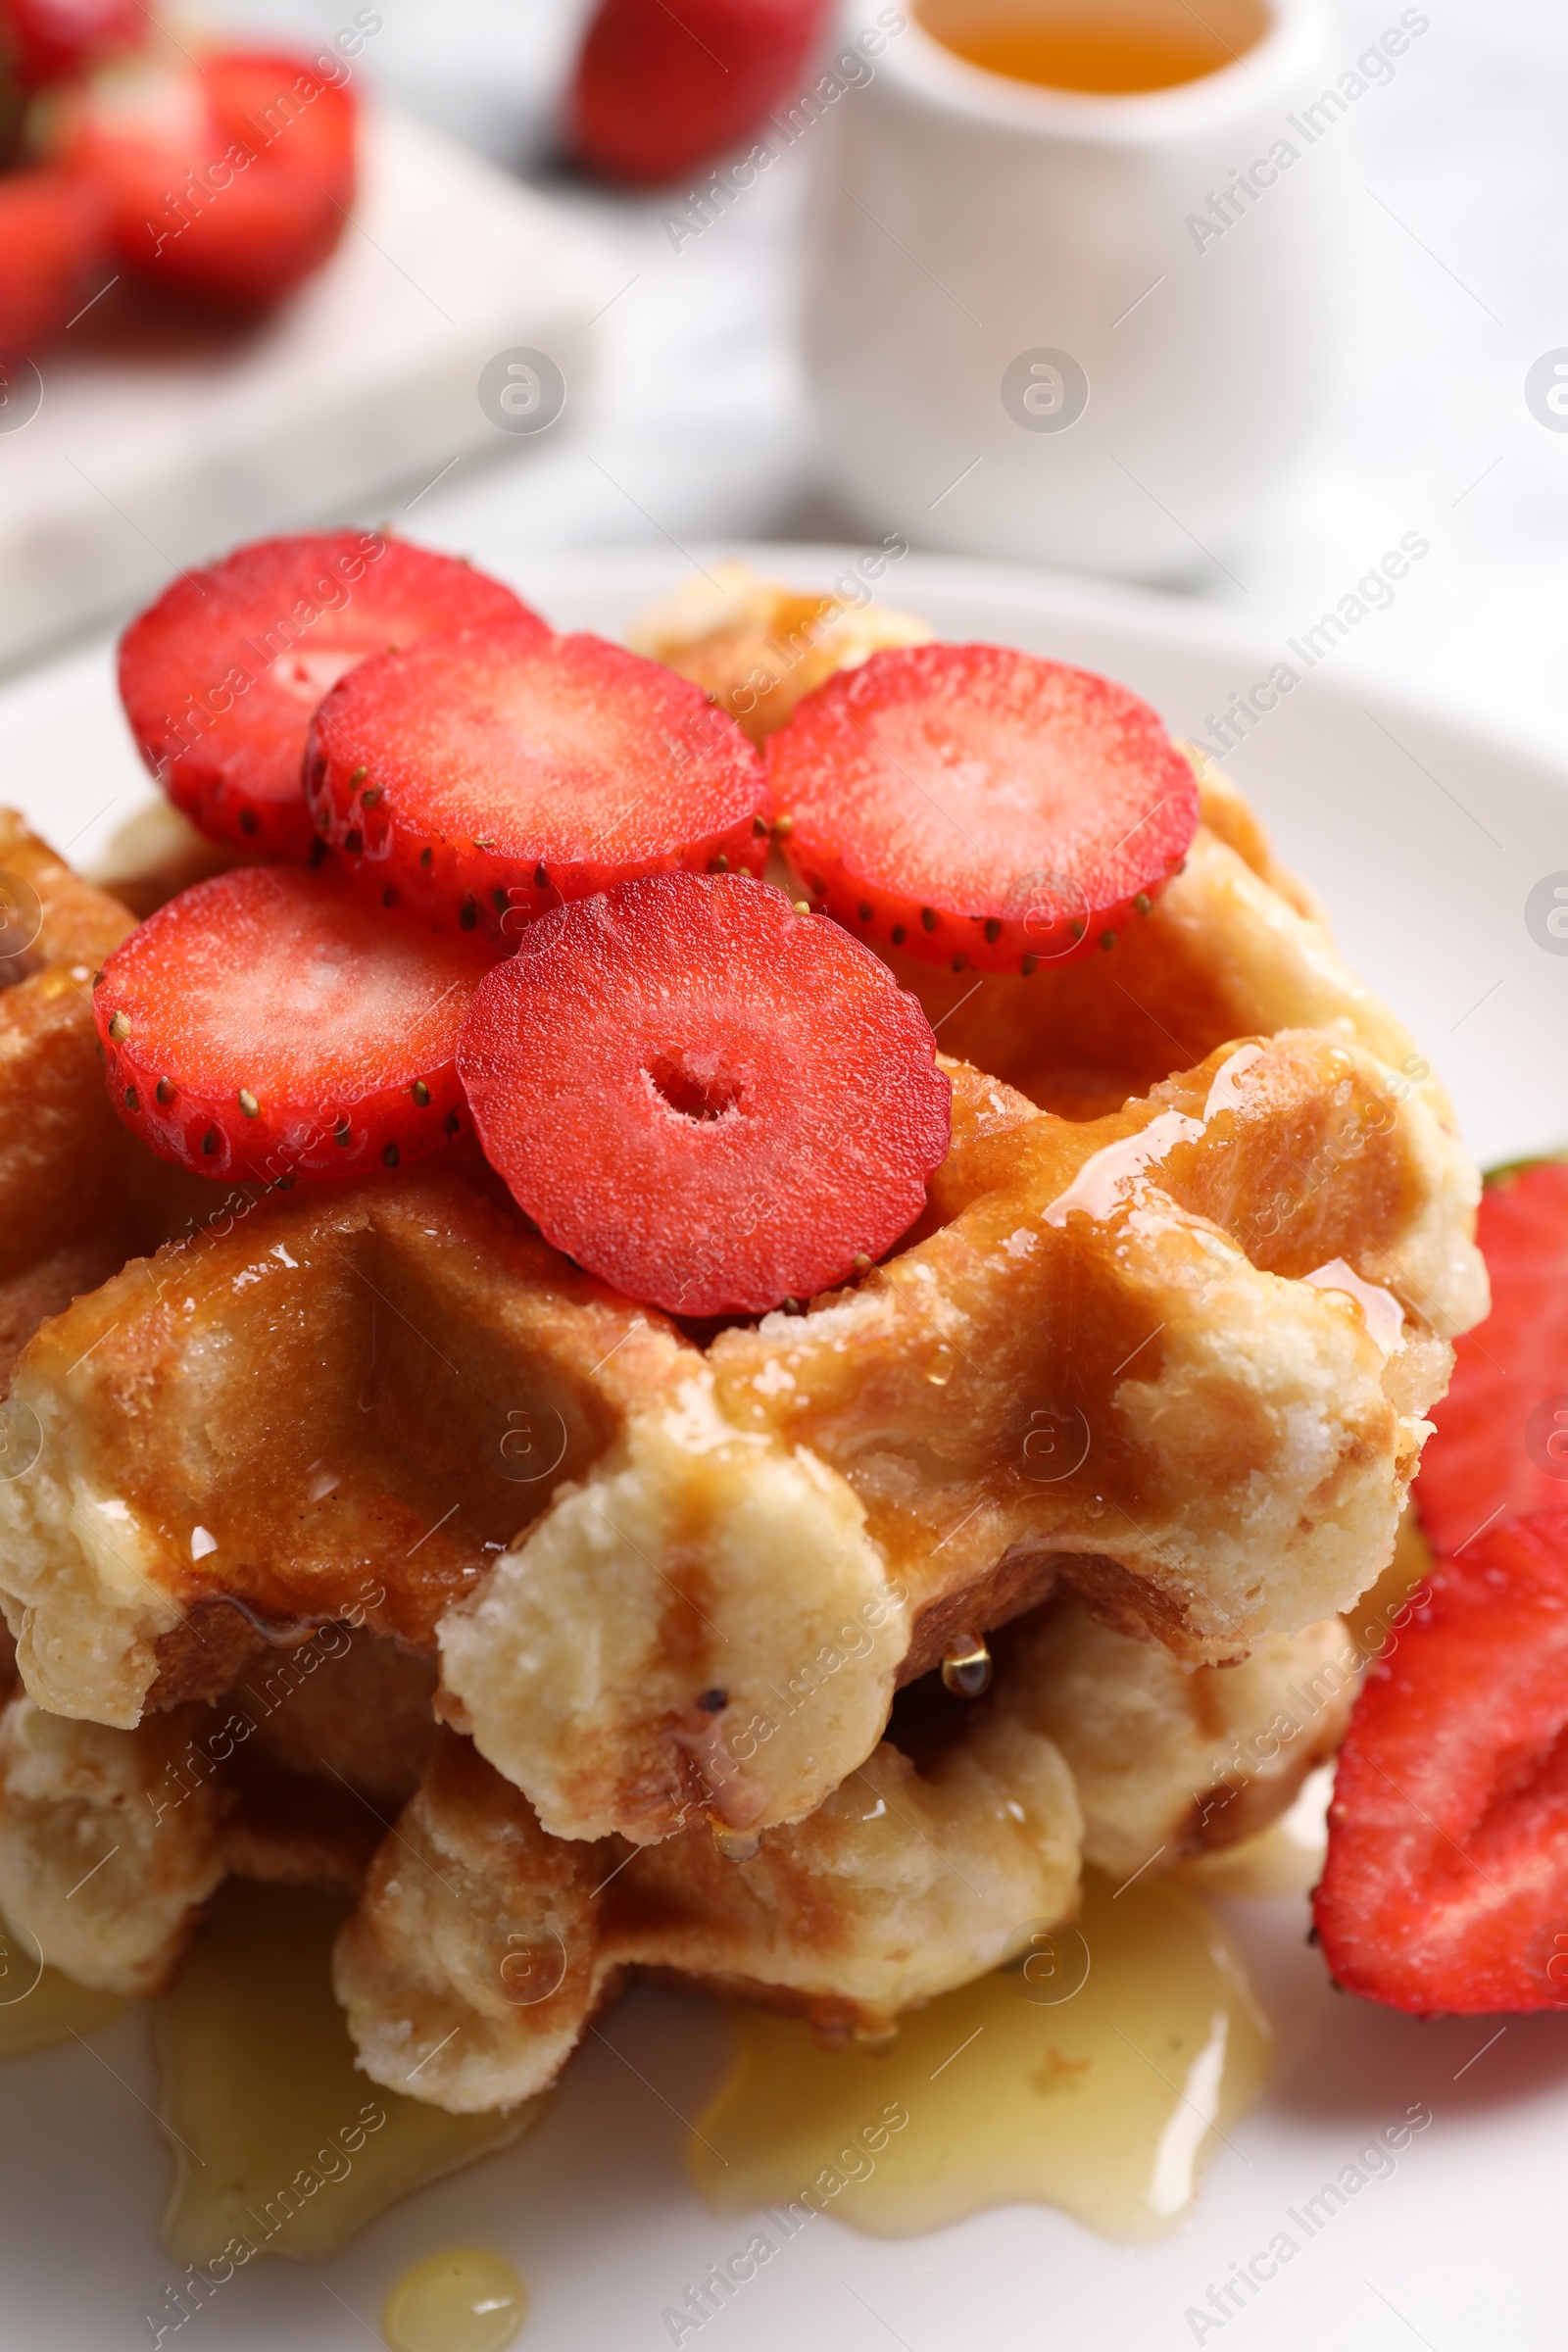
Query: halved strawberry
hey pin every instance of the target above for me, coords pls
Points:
(50, 224)
(45, 40)
(269, 1024)
(657, 91)
(1446, 1886)
(230, 180)
(710, 1101)
(1500, 1446)
(221, 676)
(977, 806)
(487, 774)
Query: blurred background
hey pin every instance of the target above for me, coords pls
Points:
(687, 422)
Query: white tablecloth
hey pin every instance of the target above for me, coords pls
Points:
(1457, 282)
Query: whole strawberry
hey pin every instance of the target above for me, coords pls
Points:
(659, 90)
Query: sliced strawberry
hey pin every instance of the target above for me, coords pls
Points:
(50, 223)
(1447, 1881)
(1501, 1442)
(659, 90)
(221, 676)
(45, 40)
(229, 182)
(977, 806)
(489, 773)
(269, 1024)
(708, 1099)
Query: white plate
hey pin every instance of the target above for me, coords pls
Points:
(368, 378)
(1463, 2245)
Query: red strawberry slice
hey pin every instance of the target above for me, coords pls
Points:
(1501, 1441)
(49, 238)
(228, 181)
(659, 90)
(487, 774)
(45, 40)
(221, 676)
(1446, 1886)
(977, 806)
(710, 1101)
(269, 1024)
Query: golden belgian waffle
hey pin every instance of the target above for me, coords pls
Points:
(480, 1947)
(60, 1145)
(756, 648)
(320, 1400)
(1160, 1346)
(1174, 1357)
(111, 1841)
(1088, 1367)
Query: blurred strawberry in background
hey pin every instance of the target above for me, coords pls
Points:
(658, 92)
(228, 182)
(50, 224)
(46, 40)
(223, 181)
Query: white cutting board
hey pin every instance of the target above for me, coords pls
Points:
(364, 381)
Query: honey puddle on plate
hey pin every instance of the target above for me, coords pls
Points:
(1100, 2092)
(278, 2142)
(1094, 2075)
(38, 2006)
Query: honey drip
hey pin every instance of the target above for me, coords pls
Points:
(280, 2144)
(967, 1666)
(465, 2301)
(1112, 52)
(1100, 2092)
(38, 2006)
(736, 1845)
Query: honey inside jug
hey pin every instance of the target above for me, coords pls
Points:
(1110, 48)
